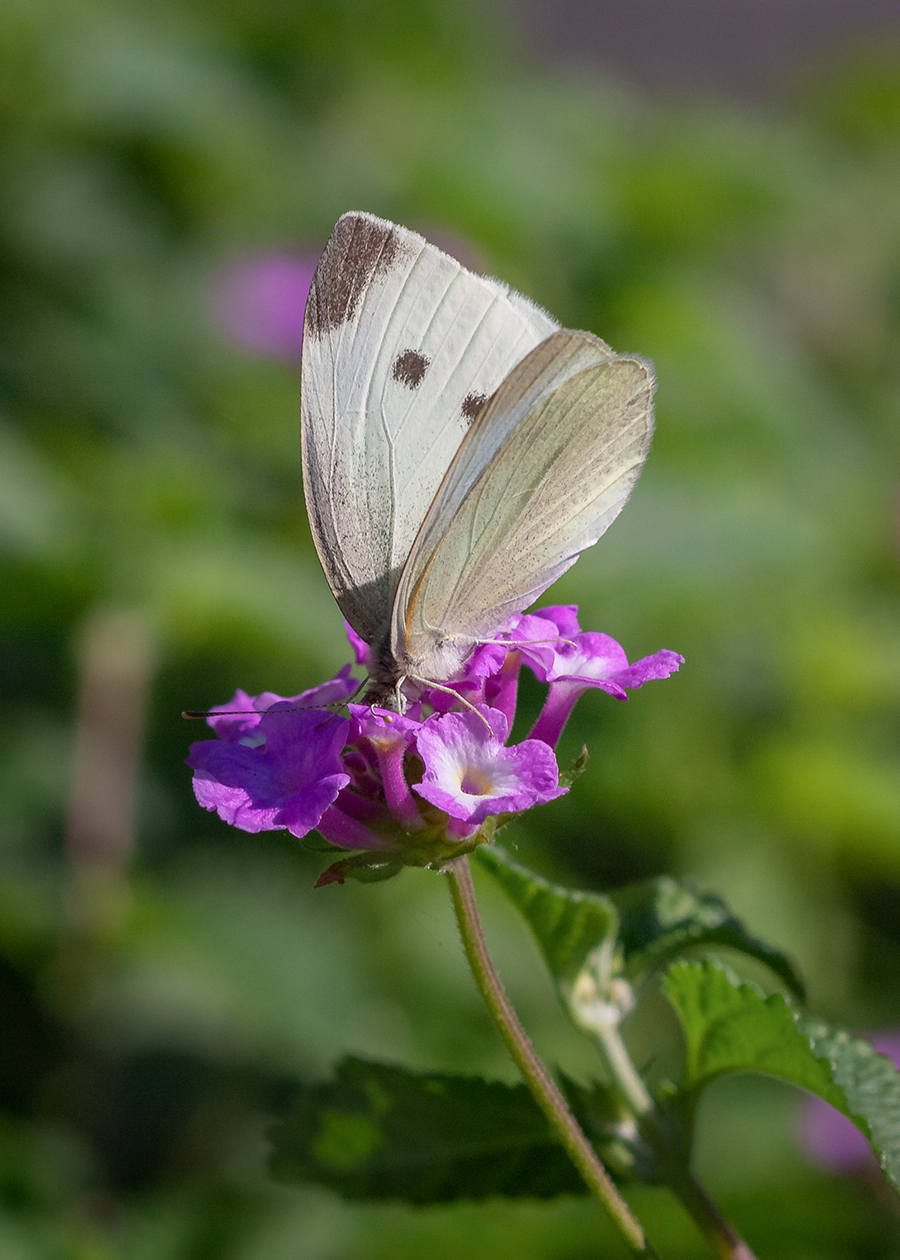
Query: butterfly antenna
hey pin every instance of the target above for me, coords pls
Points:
(517, 643)
(456, 696)
(195, 714)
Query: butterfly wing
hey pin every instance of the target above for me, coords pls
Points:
(401, 348)
(540, 476)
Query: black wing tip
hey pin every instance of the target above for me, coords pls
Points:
(360, 247)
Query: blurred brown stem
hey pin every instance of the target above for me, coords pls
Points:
(115, 660)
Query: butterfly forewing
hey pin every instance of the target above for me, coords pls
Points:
(402, 347)
(541, 475)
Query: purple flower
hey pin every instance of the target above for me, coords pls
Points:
(259, 302)
(545, 628)
(237, 719)
(391, 737)
(361, 650)
(417, 785)
(470, 774)
(287, 781)
(589, 659)
(828, 1138)
(491, 673)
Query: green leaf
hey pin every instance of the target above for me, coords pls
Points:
(312, 842)
(575, 770)
(382, 1132)
(429, 847)
(870, 1084)
(367, 868)
(732, 1027)
(568, 925)
(662, 917)
(652, 922)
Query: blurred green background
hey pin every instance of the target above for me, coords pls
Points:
(163, 978)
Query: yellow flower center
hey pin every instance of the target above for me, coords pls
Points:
(475, 782)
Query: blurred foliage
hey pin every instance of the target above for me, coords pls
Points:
(148, 1031)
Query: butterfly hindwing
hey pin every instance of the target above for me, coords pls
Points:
(541, 475)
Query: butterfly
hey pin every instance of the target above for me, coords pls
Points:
(460, 449)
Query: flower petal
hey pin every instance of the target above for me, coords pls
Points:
(470, 774)
(287, 782)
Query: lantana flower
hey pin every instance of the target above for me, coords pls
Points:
(415, 788)
(470, 774)
(288, 780)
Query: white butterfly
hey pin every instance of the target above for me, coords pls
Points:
(460, 450)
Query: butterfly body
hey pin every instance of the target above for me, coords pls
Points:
(459, 449)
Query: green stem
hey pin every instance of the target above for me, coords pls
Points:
(544, 1089)
(723, 1238)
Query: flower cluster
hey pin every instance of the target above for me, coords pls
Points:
(415, 788)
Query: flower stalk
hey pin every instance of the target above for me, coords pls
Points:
(722, 1237)
(544, 1089)
(423, 787)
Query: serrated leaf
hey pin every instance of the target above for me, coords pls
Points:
(652, 921)
(382, 1132)
(568, 925)
(732, 1027)
(662, 917)
(871, 1087)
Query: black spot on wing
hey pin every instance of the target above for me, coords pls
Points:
(472, 404)
(358, 249)
(409, 368)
